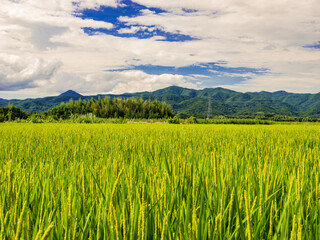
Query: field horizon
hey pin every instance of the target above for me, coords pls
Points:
(193, 102)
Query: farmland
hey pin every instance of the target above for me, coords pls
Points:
(159, 181)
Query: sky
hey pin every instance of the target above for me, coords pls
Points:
(113, 46)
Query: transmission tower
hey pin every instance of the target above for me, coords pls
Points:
(209, 114)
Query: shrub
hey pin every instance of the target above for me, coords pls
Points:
(36, 118)
(11, 113)
(174, 120)
(87, 118)
(2, 118)
(183, 115)
(192, 120)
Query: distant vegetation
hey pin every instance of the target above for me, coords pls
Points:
(177, 105)
(133, 110)
(11, 113)
(93, 111)
(113, 108)
(189, 102)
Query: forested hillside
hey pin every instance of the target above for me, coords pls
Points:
(187, 102)
(113, 108)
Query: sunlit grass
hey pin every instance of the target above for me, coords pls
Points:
(159, 181)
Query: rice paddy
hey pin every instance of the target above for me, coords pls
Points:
(159, 181)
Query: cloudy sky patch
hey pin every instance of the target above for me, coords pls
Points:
(110, 46)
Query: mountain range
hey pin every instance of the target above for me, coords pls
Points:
(189, 102)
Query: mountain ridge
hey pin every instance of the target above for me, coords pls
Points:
(71, 93)
(186, 101)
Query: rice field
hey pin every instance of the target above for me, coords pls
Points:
(159, 181)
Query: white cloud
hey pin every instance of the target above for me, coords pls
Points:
(120, 82)
(55, 13)
(243, 33)
(275, 83)
(132, 29)
(94, 4)
(137, 81)
(104, 82)
(19, 73)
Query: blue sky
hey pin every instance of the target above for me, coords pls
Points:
(211, 74)
(111, 46)
(315, 45)
(129, 9)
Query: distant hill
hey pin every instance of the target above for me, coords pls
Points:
(1, 99)
(195, 102)
(70, 93)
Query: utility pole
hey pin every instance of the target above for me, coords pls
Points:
(209, 114)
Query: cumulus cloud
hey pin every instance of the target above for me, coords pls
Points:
(112, 82)
(132, 29)
(45, 50)
(55, 13)
(274, 83)
(20, 73)
(137, 81)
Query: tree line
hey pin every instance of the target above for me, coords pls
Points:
(117, 108)
(11, 113)
(113, 108)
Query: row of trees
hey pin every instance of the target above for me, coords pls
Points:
(113, 108)
(11, 113)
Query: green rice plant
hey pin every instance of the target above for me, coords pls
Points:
(159, 181)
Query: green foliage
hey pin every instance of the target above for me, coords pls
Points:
(192, 120)
(159, 181)
(174, 120)
(235, 121)
(183, 115)
(87, 118)
(190, 102)
(112, 108)
(2, 118)
(36, 118)
(11, 113)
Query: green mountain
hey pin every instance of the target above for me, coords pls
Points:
(71, 93)
(186, 101)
